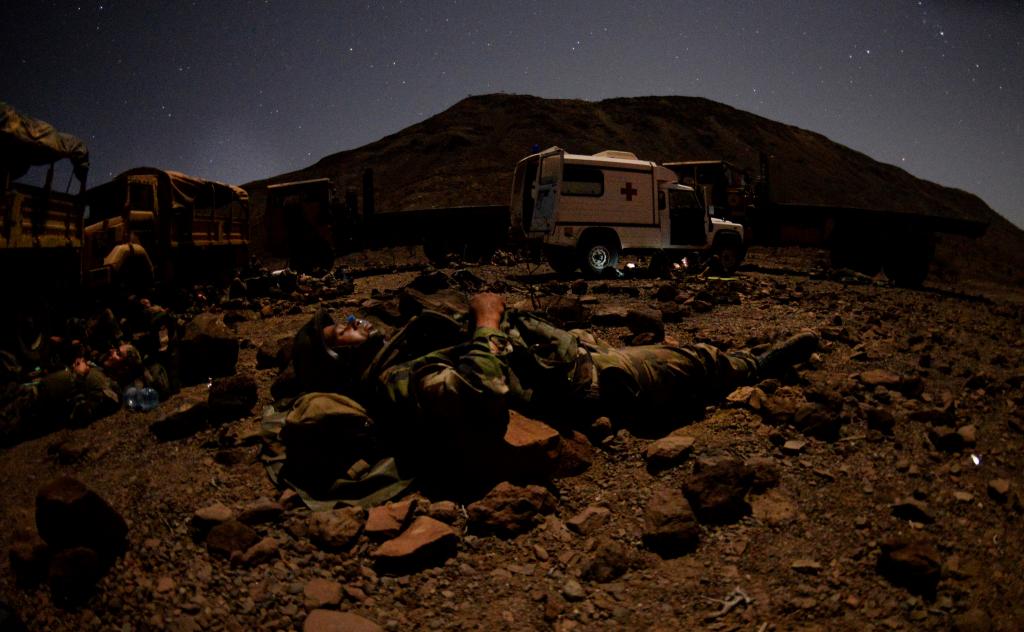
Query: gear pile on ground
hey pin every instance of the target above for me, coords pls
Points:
(876, 486)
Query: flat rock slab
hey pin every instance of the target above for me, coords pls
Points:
(229, 537)
(387, 521)
(669, 451)
(426, 541)
(334, 621)
(589, 520)
(321, 592)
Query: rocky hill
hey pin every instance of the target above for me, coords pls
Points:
(466, 154)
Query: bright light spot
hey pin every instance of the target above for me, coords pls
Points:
(630, 265)
(976, 459)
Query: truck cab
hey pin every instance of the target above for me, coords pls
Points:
(586, 210)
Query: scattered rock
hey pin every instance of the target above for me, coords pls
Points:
(670, 528)
(208, 348)
(387, 521)
(764, 472)
(425, 542)
(717, 490)
(589, 520)
(29, 556)
(815, 420)
(73, 573)
(880, 419)
(508, 509)
(321, 592)
(205, 518)
(337, 528)
(646, 321)
(806, 567)
(668, 451)
(444, 510)
(913, 564)
(609, 561)
(275, 354)
(793, 447)
(912, 509)
(751, 397)
(263, 551)
(999, 489)
(946, 439)
(262, 511)
(610, 316)
(230, 536)
(974, 620)
(572, 590)
(69, 514)
(334, 621)
(182, 419)
(232, 397)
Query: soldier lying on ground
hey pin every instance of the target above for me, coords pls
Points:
(78, 393)
(436, 399)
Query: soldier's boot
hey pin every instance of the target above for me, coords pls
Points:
(786, 354)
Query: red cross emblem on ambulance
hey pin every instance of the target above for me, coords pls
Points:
(628, 191)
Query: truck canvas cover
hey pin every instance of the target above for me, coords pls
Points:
(26, 141)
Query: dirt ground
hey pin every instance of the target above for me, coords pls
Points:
(805, 558)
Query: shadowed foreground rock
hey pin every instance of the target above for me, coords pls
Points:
(717, 490)
(670, 528)
(913, 564)
(508, 509)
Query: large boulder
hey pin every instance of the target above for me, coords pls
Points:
(69, 514)
(208, 348)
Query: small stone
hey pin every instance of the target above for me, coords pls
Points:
(230, 536)
(589, 520)
(261, 511)
(321, 592)
(717, 490)
(337, 528)
(999, 489)
(263, 551)
(793, 447)
(912, 509)
(572, 590)
(806, 567)
(165, 584)
(668, 451)
(444, 510)
(964, 497)
(969, 434)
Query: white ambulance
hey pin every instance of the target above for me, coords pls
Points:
(586, 210)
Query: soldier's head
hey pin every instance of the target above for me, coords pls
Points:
(123, 363)
(355, 342)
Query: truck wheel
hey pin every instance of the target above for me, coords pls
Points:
(561, 260)
(598, 254)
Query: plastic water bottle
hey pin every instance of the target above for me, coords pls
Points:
(148, 398)
(141, 399)
(131, 398)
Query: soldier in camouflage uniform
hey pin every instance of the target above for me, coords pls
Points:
(460, 393)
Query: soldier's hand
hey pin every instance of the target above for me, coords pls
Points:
(487, 308)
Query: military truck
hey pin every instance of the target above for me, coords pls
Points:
(40, 227)
(150, 225)
(865, 240)
(586, 210)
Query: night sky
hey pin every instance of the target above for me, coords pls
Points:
(239, 90)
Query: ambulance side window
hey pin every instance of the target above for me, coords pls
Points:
(583, 180)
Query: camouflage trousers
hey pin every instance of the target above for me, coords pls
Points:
(473, 384)
(662, 379)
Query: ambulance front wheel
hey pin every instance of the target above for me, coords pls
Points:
(598, 253)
